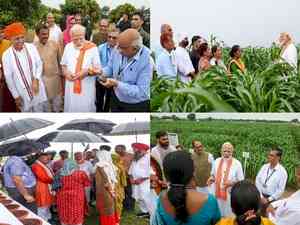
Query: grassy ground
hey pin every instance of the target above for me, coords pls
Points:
(128, 218)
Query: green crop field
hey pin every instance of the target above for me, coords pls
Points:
(268, 85)
(250, 136)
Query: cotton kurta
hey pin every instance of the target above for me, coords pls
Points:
(141, 192)
(290, 55)
(184, 64)
(85, 101)
(52, 75)
(71, 203)
(16, 82)
(235, 174)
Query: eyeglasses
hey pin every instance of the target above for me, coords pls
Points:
(111, 37)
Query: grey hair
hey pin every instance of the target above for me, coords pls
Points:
(138, 43)
(77, 29)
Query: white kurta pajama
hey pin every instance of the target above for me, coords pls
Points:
(85, 101)
(235, 174)
(141, 192)
(21, 86)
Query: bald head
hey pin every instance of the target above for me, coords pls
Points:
(130, 42)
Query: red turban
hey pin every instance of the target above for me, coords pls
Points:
(13, 30)
(140, 147)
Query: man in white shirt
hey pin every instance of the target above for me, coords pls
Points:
(287, 211)
(54, 30)
(289, 51)
(162, 147)
(23, 69)
(184, 64)
(272, 178)
(139, 173)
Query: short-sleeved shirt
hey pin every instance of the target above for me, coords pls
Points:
(15, 166)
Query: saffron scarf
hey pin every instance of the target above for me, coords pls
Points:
(221, 193)
(77, 83)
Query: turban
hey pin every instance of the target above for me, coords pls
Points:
(140, 147)
(13, 30)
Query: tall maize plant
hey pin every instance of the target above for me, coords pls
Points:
(268, 85)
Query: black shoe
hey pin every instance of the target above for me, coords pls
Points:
(143, 215)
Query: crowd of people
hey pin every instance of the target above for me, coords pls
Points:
(185, 61)
(76, 70)
(63, 191)
(191, 187)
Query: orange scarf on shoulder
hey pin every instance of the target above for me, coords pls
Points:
(77, 83)
(221, 193)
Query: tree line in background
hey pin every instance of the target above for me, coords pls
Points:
(30, 12)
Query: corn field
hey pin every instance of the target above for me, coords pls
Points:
(268, 85)
(246, 136)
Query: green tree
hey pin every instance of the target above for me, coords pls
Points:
(25, 11)
(116, 13)
(84, 7)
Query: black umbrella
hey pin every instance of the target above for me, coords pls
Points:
(93, 125)
(21, 147)
(22, 127)
(133, 128)
(73, 136)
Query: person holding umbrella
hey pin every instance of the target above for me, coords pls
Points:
(19, 182)
(43, 193)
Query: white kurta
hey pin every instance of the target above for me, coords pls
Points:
(235, 174)
(288, 210)
(55, 33)
(85, 101)
(290, 55)
(141, 192)
(184, 64)
(159, 153)
(14, 80)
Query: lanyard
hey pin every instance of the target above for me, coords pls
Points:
(128, 64)
(269, 176)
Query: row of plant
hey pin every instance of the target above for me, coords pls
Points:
(254, 137)
(268, 85)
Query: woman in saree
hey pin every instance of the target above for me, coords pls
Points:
(236, 65)
(121, 184)
(71, 197)
(245, 203)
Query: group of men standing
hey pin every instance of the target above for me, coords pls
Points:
(62, 71)
(218, 176)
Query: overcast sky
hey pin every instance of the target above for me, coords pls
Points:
(110, 3)
(238, 116)
(253, 22)
(62, 118)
